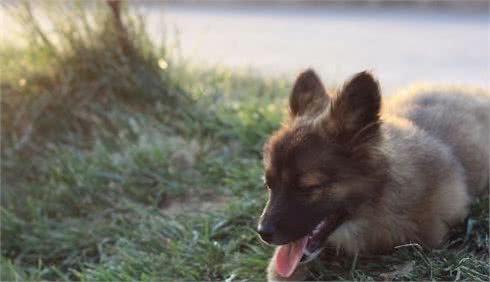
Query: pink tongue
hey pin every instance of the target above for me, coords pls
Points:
(288, 256)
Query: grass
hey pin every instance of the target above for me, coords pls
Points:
(116, 168)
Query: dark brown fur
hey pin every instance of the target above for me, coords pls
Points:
(382, 169)
(296, 151)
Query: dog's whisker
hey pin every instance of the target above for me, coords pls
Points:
(311, 256)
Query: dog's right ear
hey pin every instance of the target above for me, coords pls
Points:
(355, 112)
(308, 96)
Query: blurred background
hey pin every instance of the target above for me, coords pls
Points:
(131, 132)
(401, 41)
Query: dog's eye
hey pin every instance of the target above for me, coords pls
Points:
(315, 187)
(308, 190)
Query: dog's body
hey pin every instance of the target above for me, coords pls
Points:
(404, 172)
(436, 146)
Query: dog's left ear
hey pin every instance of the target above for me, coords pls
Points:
(355, 111)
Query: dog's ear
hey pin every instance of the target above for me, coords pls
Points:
(355, 111)
(308, 95)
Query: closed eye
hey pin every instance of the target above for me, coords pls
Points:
(313, 180)
(313, 187)
(309, 191)
(316, 186)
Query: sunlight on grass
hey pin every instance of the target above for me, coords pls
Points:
(100, 137)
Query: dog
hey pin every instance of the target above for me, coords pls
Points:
(362, 175)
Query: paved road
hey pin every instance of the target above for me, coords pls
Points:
(401, 45)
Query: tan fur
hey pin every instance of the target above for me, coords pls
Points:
(430, 187)
(311, 179)
(436, 145)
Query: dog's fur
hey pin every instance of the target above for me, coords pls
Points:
(400, 171)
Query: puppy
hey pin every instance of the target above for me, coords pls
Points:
(348, 171)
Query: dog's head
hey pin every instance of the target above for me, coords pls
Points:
(323, 163)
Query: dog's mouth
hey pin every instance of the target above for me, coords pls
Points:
(305, 249)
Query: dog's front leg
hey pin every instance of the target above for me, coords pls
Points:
(272, 275)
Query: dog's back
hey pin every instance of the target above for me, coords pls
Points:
(459, 118)
(436, 143)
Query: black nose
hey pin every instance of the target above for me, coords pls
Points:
(266, 232)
